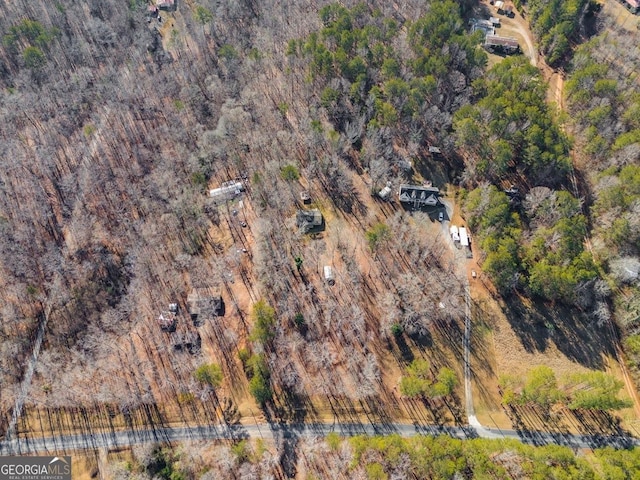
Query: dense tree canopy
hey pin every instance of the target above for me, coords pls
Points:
(554, 23)
(510, 129)
(579, 391)
(544, 252)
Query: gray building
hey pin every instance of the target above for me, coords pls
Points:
(309, 220)
(418, 197)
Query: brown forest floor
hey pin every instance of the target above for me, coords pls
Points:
(508, 337)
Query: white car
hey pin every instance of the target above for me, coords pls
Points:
(441, 216)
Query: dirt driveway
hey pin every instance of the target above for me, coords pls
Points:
(516, 27)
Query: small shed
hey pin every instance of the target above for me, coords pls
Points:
(309, 220)
(328, 275)
(385, 192)
(167, 321)
(632, 5)
(495, 21)
(305, 197)
(499, 6)
(166, 4)
(205, 302)
(454, 233)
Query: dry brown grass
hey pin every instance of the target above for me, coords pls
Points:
(498, 349)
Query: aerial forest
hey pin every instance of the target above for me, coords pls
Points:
(132, 295)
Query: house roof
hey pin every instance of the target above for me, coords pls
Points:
(384, 193)
(165, 3)
(309, 218)
(634, 3)
(501, 41)
(204, 300)
(228, 189)
(418, 195)
(166, 318)
(464, 237)
(484, 23)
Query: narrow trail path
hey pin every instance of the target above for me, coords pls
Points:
(25, 385)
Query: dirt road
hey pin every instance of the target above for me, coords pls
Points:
(519, 24)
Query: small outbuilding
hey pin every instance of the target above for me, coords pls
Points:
(167, 321)
(328, 275)
(464, 237)
(632, 5)
(203, 303)
(385, 193)
(455, 235)
(166, 4)
(309, 220)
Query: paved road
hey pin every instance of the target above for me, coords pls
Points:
(66, 443)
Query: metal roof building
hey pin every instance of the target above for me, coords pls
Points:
(464, 237)
(418, 197)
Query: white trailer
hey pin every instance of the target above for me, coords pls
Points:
(464, 237)
(227, 191)
(453, 230)
(328, 275)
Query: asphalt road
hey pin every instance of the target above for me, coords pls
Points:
(67, 443)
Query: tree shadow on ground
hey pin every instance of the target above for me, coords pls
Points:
(293, 408)
(539, 325)
(597, 427)
(405, 353)
(421, 340)
(289, 456)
